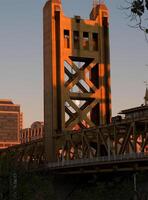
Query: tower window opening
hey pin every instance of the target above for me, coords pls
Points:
(85, 43)
(76, 40)
(66, 39)
(95, 41)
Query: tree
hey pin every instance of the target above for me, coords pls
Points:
(137, 13)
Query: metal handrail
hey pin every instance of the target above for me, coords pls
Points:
(102, 159)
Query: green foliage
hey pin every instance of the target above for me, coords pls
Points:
(4, 189)
(35, 187)
(103, 190)
(138, 13)
(7, 163)
(138, 7)
(4, 165)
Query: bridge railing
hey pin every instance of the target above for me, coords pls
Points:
(98, 160)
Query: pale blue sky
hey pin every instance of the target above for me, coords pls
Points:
(21, 58)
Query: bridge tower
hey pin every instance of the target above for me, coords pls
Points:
(76, 71)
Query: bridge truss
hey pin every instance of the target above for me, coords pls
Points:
(113, 142)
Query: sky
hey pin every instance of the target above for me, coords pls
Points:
(21, 55)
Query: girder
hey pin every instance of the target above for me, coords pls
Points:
(129, 137)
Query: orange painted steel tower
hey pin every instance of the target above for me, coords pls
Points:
(76, 71)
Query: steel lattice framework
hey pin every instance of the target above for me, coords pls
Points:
(80, 104)
(128, 137)
(77, 100)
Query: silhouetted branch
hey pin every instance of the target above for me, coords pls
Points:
(137, 14)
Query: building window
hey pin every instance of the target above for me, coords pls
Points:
(66, 39)
(95, 41)
(85, 43)
(76, 40)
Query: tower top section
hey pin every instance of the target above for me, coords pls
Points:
(54, 1)
(97, 6)
(146, 96)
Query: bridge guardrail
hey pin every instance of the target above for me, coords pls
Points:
(102, 159)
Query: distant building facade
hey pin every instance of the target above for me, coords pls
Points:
(36, 131)
(11, 121)
(137, 112)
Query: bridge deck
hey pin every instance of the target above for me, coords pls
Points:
(129, 162)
